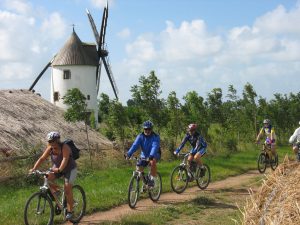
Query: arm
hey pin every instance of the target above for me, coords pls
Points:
(155, 146)
(66, 151)
(294, 136)
(43, 157)
(182, 144)
(259, 134)
(136, 144)
(273, 135)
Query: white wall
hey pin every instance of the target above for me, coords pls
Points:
(82, 77)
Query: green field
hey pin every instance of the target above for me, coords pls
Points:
(108, 188)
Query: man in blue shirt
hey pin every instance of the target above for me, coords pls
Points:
(198, 146)
(149, 142)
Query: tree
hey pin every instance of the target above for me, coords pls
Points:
(214, 100)
(103, 107)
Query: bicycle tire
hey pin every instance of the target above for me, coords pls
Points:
(38, 210)
(261, 163)
(274, 163)
(133, 191)
(180, 176)
(203, 181)
(155, 192)
(79, 200)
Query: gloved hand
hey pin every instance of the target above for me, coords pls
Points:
(126, 156)
(151, 157)
(175, 152)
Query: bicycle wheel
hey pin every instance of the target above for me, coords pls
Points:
(203, 177)
(38, 210)
(274, 162)
(79, 203)
(179, 179)
(154, 193)
(133, 191)
(262, 163)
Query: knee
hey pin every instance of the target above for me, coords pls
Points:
(295, 149)
(68, 188)
(153, 163)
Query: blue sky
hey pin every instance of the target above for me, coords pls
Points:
(190, 44)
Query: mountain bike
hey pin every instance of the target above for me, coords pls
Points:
(183, 174)
(139, 184)
(40, 209)
(266, 158)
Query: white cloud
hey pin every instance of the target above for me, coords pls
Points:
(125, 33)
(56, 24)
(190, 57)
(19, 6)
(101, 3)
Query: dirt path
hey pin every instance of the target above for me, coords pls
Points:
(147, 205)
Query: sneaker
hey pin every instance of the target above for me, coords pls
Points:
(150, 183)
(69, 215)
(202, 171)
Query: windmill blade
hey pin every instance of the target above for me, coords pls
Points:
(40, 75)
(110, 76)
(103, 27)
(98, 73)
(94, 28)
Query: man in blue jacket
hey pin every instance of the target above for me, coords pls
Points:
(149, 142)
(198, 146)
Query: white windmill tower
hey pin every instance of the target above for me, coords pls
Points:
(78, 65)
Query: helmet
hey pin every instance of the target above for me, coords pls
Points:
(267, 121)
(53, 135)
(148, 124)
(192, 126)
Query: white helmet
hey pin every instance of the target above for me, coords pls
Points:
(53, 135)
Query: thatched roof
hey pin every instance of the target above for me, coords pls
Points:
(278, 199)
(26, 118)
(74, 52)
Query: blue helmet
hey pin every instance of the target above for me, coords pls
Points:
(148, 124)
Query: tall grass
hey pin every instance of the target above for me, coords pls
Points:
(108, 187)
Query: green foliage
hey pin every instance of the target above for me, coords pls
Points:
(77, 105)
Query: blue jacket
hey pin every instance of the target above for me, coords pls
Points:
(196, 141)
(149, 144)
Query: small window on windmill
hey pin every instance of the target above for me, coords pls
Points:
(88, 97)
(67, 74)
(55, 96)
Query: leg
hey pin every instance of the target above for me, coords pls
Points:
(198, 159)
(69, 196)
(153, 169)
(53, 186)
(273, 150)
(190, 159)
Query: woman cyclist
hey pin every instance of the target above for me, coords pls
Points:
(63, 165)
(295, 140)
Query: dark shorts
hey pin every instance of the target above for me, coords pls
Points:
(142, 163)
(202, 151)
(69, 176)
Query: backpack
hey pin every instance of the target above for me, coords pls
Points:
(74, 149)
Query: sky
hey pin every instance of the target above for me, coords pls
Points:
(190, 44)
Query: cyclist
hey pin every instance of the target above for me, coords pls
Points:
(269, 132)
(150, 145)
(295, 140)
(63, 165)
(198, 144)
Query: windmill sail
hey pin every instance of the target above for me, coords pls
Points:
(96, 34)
(40, 75)
(110, 76)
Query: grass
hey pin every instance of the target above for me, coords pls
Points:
(108, 188)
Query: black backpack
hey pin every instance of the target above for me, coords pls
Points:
(74, 149)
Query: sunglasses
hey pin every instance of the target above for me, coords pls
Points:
(51, 141)
(147, 129)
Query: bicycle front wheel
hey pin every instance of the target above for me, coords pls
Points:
(274, 162)
(38, 210)
(203, 176)
(262, 163)
(133, 191)
(179, 179)
(154, 193)
(79, 205)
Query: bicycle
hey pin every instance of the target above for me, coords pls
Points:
(39, 208)
(139, 184)
(266, 158)
(183, 174)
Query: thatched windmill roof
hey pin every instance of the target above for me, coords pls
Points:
(26, 118)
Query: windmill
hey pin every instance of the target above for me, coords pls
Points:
(102, 52)
(101, 55)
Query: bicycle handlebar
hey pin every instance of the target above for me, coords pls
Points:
(38, 172)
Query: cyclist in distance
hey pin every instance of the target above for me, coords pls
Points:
(149, 142)
(295, 140)
(268, 131)
(198, 144)
(63, 165)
